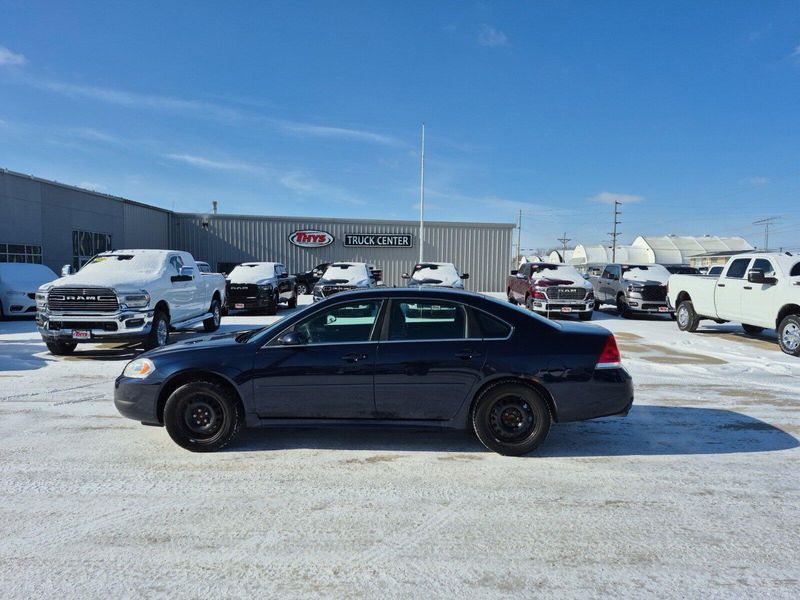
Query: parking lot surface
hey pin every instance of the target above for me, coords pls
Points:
(694, 494)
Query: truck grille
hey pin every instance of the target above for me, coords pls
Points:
(654, 293)
(82, 300)
(329, 290)
(242, 291)
(565, 293)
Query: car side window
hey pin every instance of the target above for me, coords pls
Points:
(491, 327)
(764, 265)
(611, 272)
(737, 269)
(279, 269)
(341, 323)
(427, 320)
(176, 263)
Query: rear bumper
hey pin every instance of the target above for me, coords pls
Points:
(137, 400)
(117, 327)
(608, 393)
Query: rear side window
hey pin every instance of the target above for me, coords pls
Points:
(491, 327)
(764, 265)
(427, 320)
(738, 268)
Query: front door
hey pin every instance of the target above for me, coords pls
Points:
(429, 361)
(608, 284)
(329, 374)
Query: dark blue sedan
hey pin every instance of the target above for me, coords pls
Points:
(415, 357)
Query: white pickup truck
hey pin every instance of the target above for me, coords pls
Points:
(128, 295)
(758, 290)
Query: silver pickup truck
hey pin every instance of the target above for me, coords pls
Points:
(632, 289)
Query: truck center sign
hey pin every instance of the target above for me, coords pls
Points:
(381, 240)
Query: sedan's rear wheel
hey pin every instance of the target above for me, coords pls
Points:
(202, 416)
(511, 418)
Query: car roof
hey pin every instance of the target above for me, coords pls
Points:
(400, 292)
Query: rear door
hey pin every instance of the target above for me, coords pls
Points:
(730, 289)
(760, 302)
(429, 358)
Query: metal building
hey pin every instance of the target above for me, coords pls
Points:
(56, 224)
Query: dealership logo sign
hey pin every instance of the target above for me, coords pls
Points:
(311, 238)
(378, 240)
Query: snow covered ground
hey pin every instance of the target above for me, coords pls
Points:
(694, 494)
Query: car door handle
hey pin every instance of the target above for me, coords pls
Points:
(720, 285)
(748, 287)
(467, 355)
(354, 357)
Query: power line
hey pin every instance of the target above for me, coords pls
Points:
(766, 223)
(564, 239)
(614, 234)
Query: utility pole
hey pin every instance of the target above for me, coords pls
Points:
(766, 223)
(422, 195)
(614, 234)
(519, 238)
(564, 239)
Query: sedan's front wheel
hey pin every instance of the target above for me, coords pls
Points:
(511, 418)
(202, 416)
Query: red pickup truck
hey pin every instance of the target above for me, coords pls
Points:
(548, 288)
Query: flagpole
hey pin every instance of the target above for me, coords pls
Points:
(422, 196)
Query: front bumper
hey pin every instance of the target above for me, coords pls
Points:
(137, 399)
(649, 306)
(122, 326)
(563, 306)
(251, 303)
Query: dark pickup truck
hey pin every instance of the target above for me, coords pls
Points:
(307, 280)
(551, 288)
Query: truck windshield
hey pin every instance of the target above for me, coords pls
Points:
(140, 263)
(249, 272)
(555, 272)
(645, 273)
(345, 273)
(434, 273)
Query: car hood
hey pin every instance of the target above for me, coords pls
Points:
(643, 282)
(217, 340)
(547, 281)
(122, 280)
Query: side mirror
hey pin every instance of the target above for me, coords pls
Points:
(290, 338)
(520, 275)
(405, 276)
(514, 272)
(186, 271)
(756, 276)
(586, 276)
(465, 276)
(66, 270)
(283, 276)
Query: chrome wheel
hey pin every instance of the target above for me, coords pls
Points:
(790, 337)
(301, 289)
(162, 332)
(217, 315)
(683, 316)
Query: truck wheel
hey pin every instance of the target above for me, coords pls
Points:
(510, 418)
(61, 348)
(752, 329)
(510, 297)
(272, 308)
(2, 315)
(623, 310)
(159, 331)
(687, 319)
(302, 289)
(789, 335)
(292, 302)
(585, 316)
(212, 323)
(202, 416)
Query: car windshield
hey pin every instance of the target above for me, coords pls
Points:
(555, 272)
(345, 273)
(140, 263)
(250, 272)
(435, 273)
(645, 273)
(683, 270)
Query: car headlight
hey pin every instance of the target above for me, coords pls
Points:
(139, 368)
(635, 289)
(266, 287)
(41, 300)
(133, 299)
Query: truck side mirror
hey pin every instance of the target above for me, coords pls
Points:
(520, 275)
(405, 276)
(514, 272)
(66, 270)
(186, 271)
(465, 276)
(283, 276)
(756, 276)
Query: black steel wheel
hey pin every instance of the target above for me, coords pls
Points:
(202, 416)
(511, 418)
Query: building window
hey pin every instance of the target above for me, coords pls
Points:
(85, 244)
(20, 253)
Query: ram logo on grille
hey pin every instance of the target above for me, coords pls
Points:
(100, 300)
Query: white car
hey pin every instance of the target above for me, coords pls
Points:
(18, 285)
(758, 290)
(435, 274)
(343, 276)
(128, 295)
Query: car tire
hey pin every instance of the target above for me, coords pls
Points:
(752, 329)
(302, 289)
(623, 310)
(2, 314)
(789, 335)
(529, 303)
(585, 316)
(202, 416)
(58, 348)
(511, 419)
(292, 302)
(213, 322)
(687, 319)
(271, 309)
(159, 331)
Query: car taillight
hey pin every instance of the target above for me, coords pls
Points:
(609, 356)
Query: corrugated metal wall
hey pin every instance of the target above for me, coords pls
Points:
(145, 227)
(481, 249)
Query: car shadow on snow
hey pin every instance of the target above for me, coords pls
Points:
(646, 431)
(22, 356)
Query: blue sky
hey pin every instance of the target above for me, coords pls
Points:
(688, 112)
